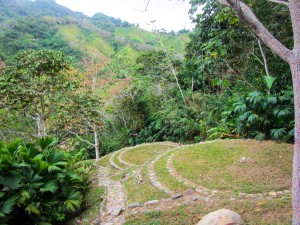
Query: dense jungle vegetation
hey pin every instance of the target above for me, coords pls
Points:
(98, 84)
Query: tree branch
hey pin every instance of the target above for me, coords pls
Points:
(83, 140)
(264, 56)
(244, 12)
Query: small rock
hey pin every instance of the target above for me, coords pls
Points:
(280, 192)
(273, 194)
(195, 198)
(133, 205)
(243, 159)
(168, 192)
(177, 196)
(156, 184)
(199, 190)
(116, 211)
(222, 217)
(153, 202)
(232, 199)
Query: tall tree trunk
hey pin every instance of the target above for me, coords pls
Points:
(41, 125)
(96, 141)
(295, 67)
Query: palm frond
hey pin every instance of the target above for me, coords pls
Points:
(46, 142)
(50, 186)
(74, 201)
(278, 133)
(32, 209)
(8, 205)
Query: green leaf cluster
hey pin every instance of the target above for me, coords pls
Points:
(39, 184)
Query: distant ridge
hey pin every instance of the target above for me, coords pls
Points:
(44, 24)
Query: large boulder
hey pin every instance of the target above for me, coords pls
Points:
(222, 217)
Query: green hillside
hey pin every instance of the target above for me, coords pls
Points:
(43, 24)
(169, 183)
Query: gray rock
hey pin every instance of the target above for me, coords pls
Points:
(243, 159)
(116, 211)
(133, 205)
(153, 202)
(177, 196)
(222, 217)
(156, 184)
(195, 198)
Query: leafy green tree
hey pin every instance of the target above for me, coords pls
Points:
(35, 83)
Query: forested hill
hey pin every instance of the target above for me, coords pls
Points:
(43, 24)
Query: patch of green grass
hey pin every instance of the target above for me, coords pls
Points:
(135, 33)
(164, 177)
(217, 165)
(144, 153)
(272, 212)
(117, 161)
(144, 191)
(124, 173)
(104, 161)
(87, 42)
(128, 51)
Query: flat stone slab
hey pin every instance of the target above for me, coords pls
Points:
(153, 202)
(156, 184)
(177, 196)
(134, 205)
(195, 198)
(116, 211)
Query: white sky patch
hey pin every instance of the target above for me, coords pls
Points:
(168, 14)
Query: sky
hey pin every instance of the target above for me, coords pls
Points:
(168, 14)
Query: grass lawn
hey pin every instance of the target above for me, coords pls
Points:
(273, 212)
(165, 177)
(217, 165)
(117, 161)
(104, 161)
(144, 153)
(144, 191)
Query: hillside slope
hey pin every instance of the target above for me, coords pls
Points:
(43, 24)
(168, 183)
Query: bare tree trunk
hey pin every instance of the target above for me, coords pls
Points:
(245, 13)
(295, 67)
(192, 88)
(41, 125)
(96, 141)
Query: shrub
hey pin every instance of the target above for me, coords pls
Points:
(39, 184)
